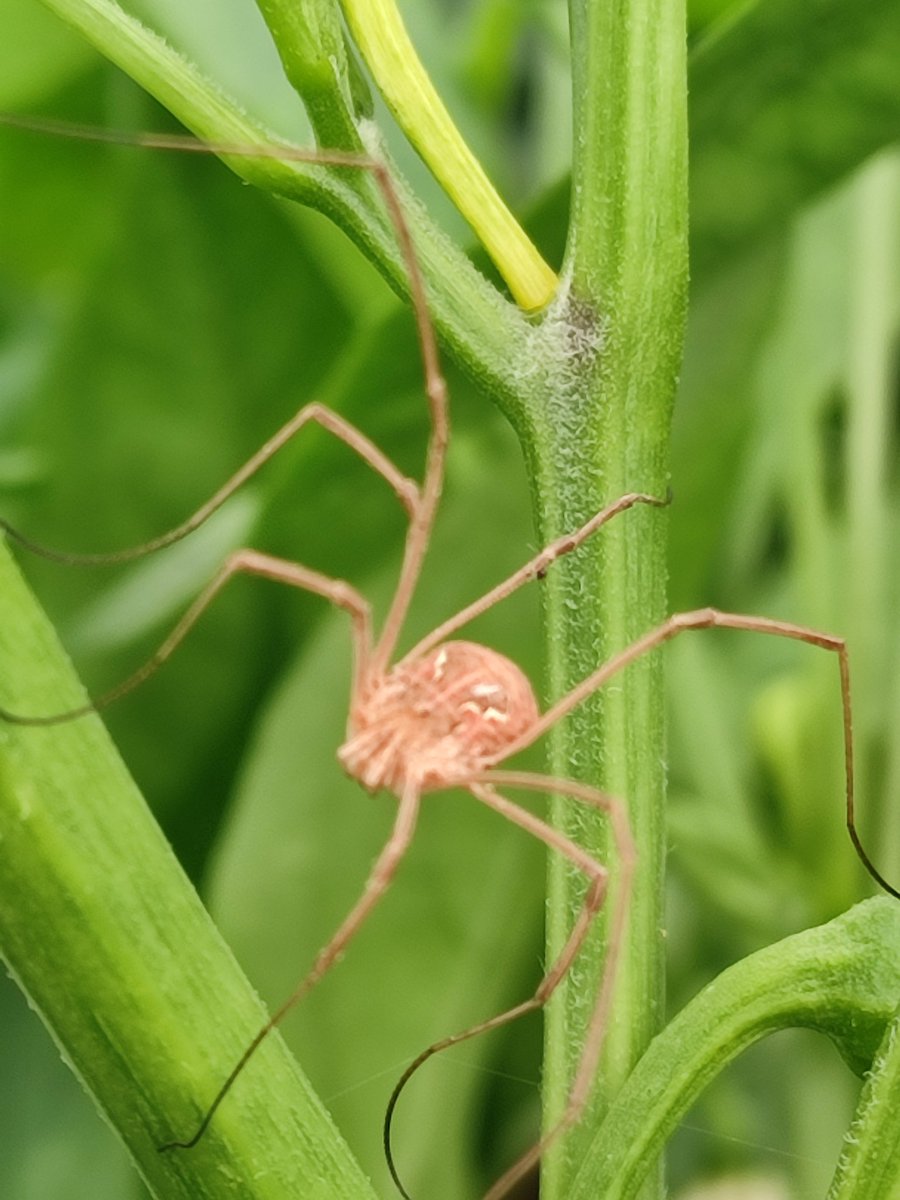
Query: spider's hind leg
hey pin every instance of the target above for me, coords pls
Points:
(484, 789)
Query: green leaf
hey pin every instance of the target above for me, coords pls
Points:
(786, 99)
(37, 55)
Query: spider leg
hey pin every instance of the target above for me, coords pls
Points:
(380, 877)
(250, 562)
(483, 788)
(419, 533)
(421, 504)
(406, 490)
(533, 569)
(713, 618)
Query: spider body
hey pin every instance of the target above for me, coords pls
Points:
(437, 719)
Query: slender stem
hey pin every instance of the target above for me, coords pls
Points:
(604, 432)
(310, 41)
(869, 1168)
(409, 93)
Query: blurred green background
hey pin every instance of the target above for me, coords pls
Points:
(158, 320)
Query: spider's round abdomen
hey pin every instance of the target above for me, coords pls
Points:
(438, 719)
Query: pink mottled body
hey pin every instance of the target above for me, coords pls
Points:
(437, 719)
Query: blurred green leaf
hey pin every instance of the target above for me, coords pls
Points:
(38, 55)
(785, 100)
(54, 1144)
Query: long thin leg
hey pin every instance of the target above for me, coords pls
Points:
(377, 883)
(406, 489)
(419, 532)
(249, 562)
(533, 569)
(710, 618)
(483, 789)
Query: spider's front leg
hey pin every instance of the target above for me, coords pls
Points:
(406, 490)
(713, 618)
(242, 561)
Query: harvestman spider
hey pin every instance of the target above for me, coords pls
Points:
(448, 713)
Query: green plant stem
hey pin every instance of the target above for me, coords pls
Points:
(603, 430)
(310, 41)
(869, 1168)
(107, 937)
(841, 979)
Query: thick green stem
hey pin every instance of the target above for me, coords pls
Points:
(603, 430)
(310, 40)
(111, 943)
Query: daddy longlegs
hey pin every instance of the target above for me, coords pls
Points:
(447, 713)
